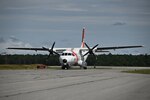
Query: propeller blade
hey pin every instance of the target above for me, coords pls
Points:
(91, 53)
(53, 46)
(86, 53)
(90, 50)
(45, 48)
(94, 46)
(51, 51)
(56, 53)
(87, 46)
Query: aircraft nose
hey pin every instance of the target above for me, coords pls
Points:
(64, 61)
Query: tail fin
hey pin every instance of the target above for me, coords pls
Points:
(83, 35)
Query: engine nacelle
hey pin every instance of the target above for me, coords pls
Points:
(82, 63)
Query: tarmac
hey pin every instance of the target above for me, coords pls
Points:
(74, 84)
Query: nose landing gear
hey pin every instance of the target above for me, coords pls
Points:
(65, 67)
(84, 67)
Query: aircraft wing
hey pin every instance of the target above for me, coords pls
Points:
(117, 47)
(36, 49)
(58, 50)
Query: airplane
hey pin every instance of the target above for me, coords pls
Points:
(69, 57)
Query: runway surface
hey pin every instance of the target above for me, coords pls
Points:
(90, 84)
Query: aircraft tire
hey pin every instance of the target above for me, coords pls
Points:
(63, 67)
(84, 67)
(68, 67)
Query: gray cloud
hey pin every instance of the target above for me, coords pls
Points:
(119, 24)
(37, 21)
(12, 42)
(14, 39)
(2, 40)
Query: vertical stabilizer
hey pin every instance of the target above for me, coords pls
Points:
(83, 35)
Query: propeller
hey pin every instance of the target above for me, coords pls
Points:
(91, 52)
(51, 51)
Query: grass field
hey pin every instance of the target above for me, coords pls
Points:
(17, 67)
(140, 71)
(34, 66)
(23, 67)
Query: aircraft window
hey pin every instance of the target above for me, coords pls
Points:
(63, 54)
(69, 54)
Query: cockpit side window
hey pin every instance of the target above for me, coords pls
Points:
(69, 54)
(63, 54)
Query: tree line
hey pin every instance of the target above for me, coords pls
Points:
(101, 60)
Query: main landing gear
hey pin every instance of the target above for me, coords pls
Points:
(83, 67)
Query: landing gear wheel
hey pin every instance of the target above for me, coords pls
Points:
(84, 67)
(63, 67)
(67, 67)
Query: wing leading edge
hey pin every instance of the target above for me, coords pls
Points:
(58, 50)
(117, 47)
(36, 49)
(63, 49)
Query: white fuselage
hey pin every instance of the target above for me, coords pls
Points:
(72, 57)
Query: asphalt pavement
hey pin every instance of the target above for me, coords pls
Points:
(90, 84)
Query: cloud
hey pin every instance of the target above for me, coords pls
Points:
(119, 24)
(53, 19)
(2, 40)
(12, 42)
(13, 39)
(69, 7)
(15, 42)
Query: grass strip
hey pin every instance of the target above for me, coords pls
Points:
(140, 71)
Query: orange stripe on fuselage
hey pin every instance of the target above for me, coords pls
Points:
(75, 56)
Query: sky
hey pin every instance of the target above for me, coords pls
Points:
(38, 23)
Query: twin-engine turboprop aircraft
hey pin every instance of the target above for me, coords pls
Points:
(75, 56)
